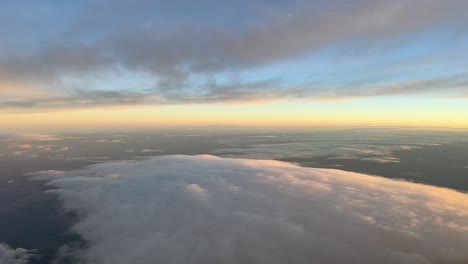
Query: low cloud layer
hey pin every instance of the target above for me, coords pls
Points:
(9, 255)
(205, 209)
(29, 137)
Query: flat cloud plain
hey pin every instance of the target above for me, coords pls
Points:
(205, 209)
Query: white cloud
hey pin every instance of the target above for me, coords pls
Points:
(39, 137)
(110, 141)
(23, 146)
(29, 137)
(33, 151)
(9, 255)
(390, 159)
(204, 209)
(150, 150)
(45, 148)
(19, 153)
(64, 149)
(380, 153)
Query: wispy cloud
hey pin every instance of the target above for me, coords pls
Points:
(248, 92)
(454, 85)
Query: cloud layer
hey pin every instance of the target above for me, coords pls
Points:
(205, 209)
(180, 54)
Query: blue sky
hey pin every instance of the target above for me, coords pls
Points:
(82, 54)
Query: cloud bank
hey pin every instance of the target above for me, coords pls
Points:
(9, 255)
(205, 209)
(180, 54)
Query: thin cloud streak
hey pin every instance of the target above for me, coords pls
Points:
(247, 92)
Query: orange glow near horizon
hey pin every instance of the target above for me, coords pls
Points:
(275, 114)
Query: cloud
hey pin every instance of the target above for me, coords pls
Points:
(205, 209)
(453, 85)
(83, 98)
(369, 151)
(150, 150)
(210, 92)
(19, 153)
(9, 255)
(64, 149)
(110, 141)
(6, 136)
(216, 39)
(270, 34)
(23, 146)
(383, 159)
(238, 91)
(45, 148)
(38, 137)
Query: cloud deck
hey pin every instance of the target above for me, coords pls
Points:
(205, 209)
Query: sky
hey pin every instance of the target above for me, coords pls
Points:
(143, 63)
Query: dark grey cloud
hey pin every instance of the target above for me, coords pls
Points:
(204, 209)
(10, 255)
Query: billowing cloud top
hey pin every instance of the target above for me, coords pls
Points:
(93, 53)
(205, 209)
